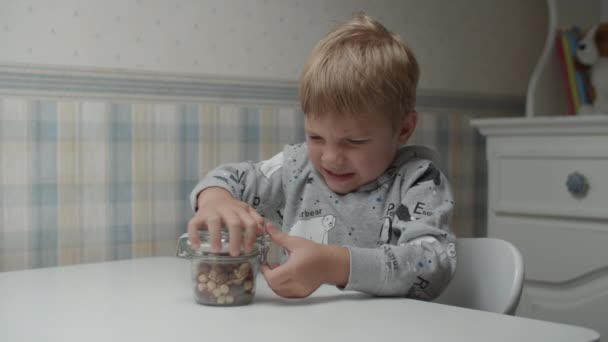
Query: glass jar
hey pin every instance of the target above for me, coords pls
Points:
(219, 278)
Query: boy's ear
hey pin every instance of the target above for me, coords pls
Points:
(408, 125)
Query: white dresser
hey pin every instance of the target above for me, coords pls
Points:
(548, 195)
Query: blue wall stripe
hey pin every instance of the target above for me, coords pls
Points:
(3, 244)
(299, 127)
(43, 239)
(188, 160)
(250, 134)
(443, 137)
(120, 189)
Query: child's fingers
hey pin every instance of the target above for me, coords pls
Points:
(265, 269)
(235, 233)
(192, 229)
(261, 229)
(250, 227)
(278, 236)
(270, 275)
(214, 226)
(277, 278)
(258, 219)
(256, 216)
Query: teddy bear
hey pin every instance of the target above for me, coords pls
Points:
(592, 54)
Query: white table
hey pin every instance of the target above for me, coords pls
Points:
(151, 299)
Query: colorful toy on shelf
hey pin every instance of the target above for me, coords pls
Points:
(592, 53)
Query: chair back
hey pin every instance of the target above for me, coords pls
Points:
(489, 276)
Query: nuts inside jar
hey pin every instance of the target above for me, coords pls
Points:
(224, 283)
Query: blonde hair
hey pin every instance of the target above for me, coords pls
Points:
(358, 67)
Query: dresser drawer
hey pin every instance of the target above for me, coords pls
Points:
(532, 178)
(555, 250)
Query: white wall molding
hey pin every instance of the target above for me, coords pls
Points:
(52, 81)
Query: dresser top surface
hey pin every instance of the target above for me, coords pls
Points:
(562, 125)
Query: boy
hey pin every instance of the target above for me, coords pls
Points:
(355, 208)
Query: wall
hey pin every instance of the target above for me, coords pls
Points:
(472, 46)
(92, 179)
(86, 180)
(582, 14)
(110, 111)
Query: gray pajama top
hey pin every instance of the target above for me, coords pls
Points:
(396, 228)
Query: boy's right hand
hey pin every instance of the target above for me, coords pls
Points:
(217, 209)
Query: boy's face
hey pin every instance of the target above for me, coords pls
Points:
(351, 151)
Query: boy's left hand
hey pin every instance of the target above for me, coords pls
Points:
(305, 270)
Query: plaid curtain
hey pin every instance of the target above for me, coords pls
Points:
(94, 180)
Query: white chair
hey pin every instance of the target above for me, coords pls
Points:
(489, 276)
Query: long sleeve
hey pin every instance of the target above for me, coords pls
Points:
(259, 184)
(419, 257)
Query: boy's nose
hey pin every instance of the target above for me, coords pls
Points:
(332, 157)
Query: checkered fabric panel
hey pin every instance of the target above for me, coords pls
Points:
(461, 157)
(92, 180)
(86, 181)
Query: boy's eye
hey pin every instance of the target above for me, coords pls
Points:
(314, 137)
(358, 141)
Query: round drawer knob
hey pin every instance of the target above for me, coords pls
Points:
(577, 184)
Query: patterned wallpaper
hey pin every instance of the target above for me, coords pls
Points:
(88, 180)
(459, 44)
(93, 180)
(99, 152)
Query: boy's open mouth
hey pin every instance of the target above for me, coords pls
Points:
(338, 176)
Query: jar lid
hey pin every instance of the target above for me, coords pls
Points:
(185, 250)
